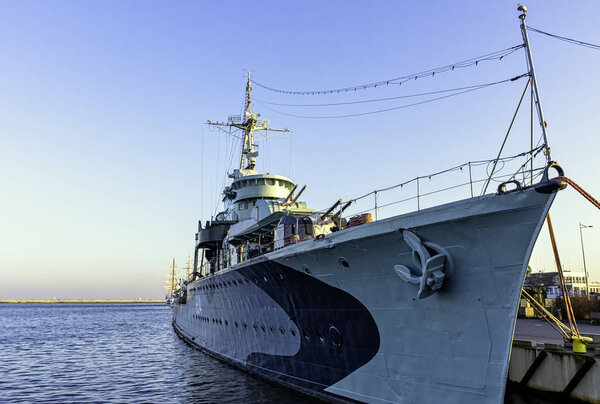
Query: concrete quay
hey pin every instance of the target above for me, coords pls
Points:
(542, 361)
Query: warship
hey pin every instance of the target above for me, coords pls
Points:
(418, 307)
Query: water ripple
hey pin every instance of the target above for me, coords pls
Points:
(114, 353)
(118, 353)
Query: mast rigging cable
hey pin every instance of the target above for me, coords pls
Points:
(565, 39)
(476, 86)
(398, 107)
(497, 55)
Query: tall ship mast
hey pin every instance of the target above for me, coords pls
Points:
(414, 308)
(172, 283)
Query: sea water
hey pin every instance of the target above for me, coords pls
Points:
(117, 353)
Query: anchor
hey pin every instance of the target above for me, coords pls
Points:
(430, 270)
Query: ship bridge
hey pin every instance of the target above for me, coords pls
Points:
(259, 186)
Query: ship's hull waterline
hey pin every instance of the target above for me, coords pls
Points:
(332, 316)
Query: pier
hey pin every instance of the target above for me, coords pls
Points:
(541, 361)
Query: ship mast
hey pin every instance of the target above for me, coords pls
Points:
(172, 282)
(251, 123)
(534, 82)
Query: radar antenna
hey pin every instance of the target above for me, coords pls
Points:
(251, 123)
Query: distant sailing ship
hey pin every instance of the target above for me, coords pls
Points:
(415, 308)
(172, 284)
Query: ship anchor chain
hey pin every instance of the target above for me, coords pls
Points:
(429, 272)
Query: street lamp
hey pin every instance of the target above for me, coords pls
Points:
(587, 288)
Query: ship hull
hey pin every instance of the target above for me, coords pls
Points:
(332, 317)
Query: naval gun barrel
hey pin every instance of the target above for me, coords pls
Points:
(339, 212)
(297, 196)
(287, 198)
(330, 209)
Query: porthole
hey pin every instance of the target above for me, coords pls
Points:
(229, 283)
(343, 262)
(236, 324)
(255, 327)
(245, 325)
(293, 332)
(265, 278)
(282, 331)
(255, 280)
(226, 322)
(306, 335)
(241, 281)
(272, 330)
(280, 275)
(321, 337)
(234, 282)
(335, 335)
(306, 269)
(262, 327)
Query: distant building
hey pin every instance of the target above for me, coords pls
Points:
(549, 282)
(575, 283)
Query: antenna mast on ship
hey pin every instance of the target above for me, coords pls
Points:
(250, 124)
(534, 82)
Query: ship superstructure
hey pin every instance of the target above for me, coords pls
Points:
(262, 211)
(414, 308)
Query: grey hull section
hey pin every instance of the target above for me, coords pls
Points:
(333, 317)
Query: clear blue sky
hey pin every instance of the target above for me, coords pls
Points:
(102, 105)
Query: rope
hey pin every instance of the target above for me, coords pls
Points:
(569, 307)
(572, 323)
(580, 190)
(558, 325)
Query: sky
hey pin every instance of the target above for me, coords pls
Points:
(107, 167)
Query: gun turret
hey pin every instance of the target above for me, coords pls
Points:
(338, 213)
(297, 196)
(329, 210)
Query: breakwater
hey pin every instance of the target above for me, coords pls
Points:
(44, 301)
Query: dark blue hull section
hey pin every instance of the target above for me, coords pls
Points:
(336, 333)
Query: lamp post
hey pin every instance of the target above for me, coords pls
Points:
(587, 288)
